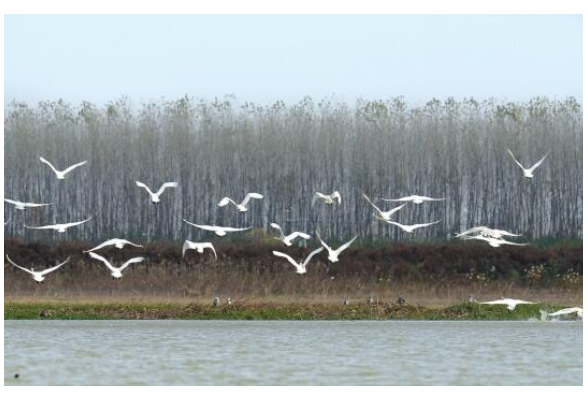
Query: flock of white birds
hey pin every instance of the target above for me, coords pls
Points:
(494, 237)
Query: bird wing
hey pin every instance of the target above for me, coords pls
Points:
(142, 185)
(229, 229)
(18, 266)
(294, 235)
(505, 233)
(513, 243)
(278, 227)
(226, 200)
(70, 224)
(427, 224)
(317, 195)
(403, 227)
(131, 261)
(42, 227)
(494, 302)
(287, 257)
(405, 198)
(346, 245)
(369, 201)
(101, 245)
(210, 246)
(104, 260)
(188, 245)
(326, 246)
(7, 222)
(538, 163)
(165, 186)
(513, 157)
(471, 230)
(12, 202)
(130, 243)
(432, 199)
(251, 196)
(336, 195)
(309, 257)
(394, 210)
(36, 204)
(71, 168)
(48, 270)
(205, 227)
(49, 164)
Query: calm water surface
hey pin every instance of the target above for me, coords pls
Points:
(292, 353)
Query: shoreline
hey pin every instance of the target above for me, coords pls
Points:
(267, 311)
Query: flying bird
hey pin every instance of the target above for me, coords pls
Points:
(509, 303)
(199, 247)
(416, 199)
(19, 205)
(118, 243)
(334, 254)
(528, 172)
(331, 199)
(485, 231)
(287, 240)
(218, 230)
(494, 242)
(568, 311)
(155, 196)
(60, 228)
(37, 276)
(384, 215)
(116, 272)
(301, 266)
(241, 207)
(411, 228)
(61, 174)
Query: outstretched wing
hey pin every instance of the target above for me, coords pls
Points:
(346, 245)
(104, 260)
(229, 229)
(50, 165)
(251, 196)
(493, 302)
(48, 270)
(71, 168)
(287, 257)
(316, 196)
(513, 157)
(336, 195)
(13, 202)
(210, 246)
(205, 227)
(142, 185)
(309, 257)
(131, 261)
(406, 198)
(538, 163)
(226, 200)
(513, 243)
(427, 224)
(18, 266)
(70, 224)
(278, 227)
(101, 245)
(294, 235)
(369, 201)
(165, 186)
(36, 204)
(188, 245)
(326, 246)
(41, 227)
(389, 213)
(130, 243)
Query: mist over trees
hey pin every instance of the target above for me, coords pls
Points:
(385, 148)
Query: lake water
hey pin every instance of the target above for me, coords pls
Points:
(292, 353)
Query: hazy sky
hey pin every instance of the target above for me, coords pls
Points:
(265, 58)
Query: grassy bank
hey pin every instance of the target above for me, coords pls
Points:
(265, 311)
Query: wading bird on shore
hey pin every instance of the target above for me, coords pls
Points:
(61, 174)
(241, 207)
(301, 266)
(155, 196)
(494, 242)
(485, 231)
(115, 272)
(334, 254)
(40, 275)
(528, 172)
(287, 240)
(60, 228)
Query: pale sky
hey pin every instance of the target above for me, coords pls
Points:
(268, 58)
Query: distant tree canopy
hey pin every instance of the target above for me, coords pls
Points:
(385, 149)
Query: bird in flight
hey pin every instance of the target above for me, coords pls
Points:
(287, 240)
(300, 266)
(61, 174)
(19, 205)
(528, 172)
(510, 304)
(411, 228)
(568, 311)
(416, 199)
(330, 199)
(40, 275)
(218, 230)
(494, 242)
(334, 254)
(155, 196)
(384, 215)
(485, 231)
(60, 228)
(241, 207)
(116, 272)
(199, 247)
(118, 243)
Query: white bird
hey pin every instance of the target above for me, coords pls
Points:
(116, 272)
(494, 242)
(60, 228)
(19, 205)
(509, 303)
(287, 240)
(567, 311)
(155, 196)
(61, 174)
(416, 199)
(411, 228)
(241, 207)
(218, 230)
(528, 172)
(384, 215)
(118, 243)
(485, 231)
(331, 199)
(334, 254)
(37, 276)
(199, 247)
(301, 266)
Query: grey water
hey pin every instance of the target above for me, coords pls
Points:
(292, 353)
